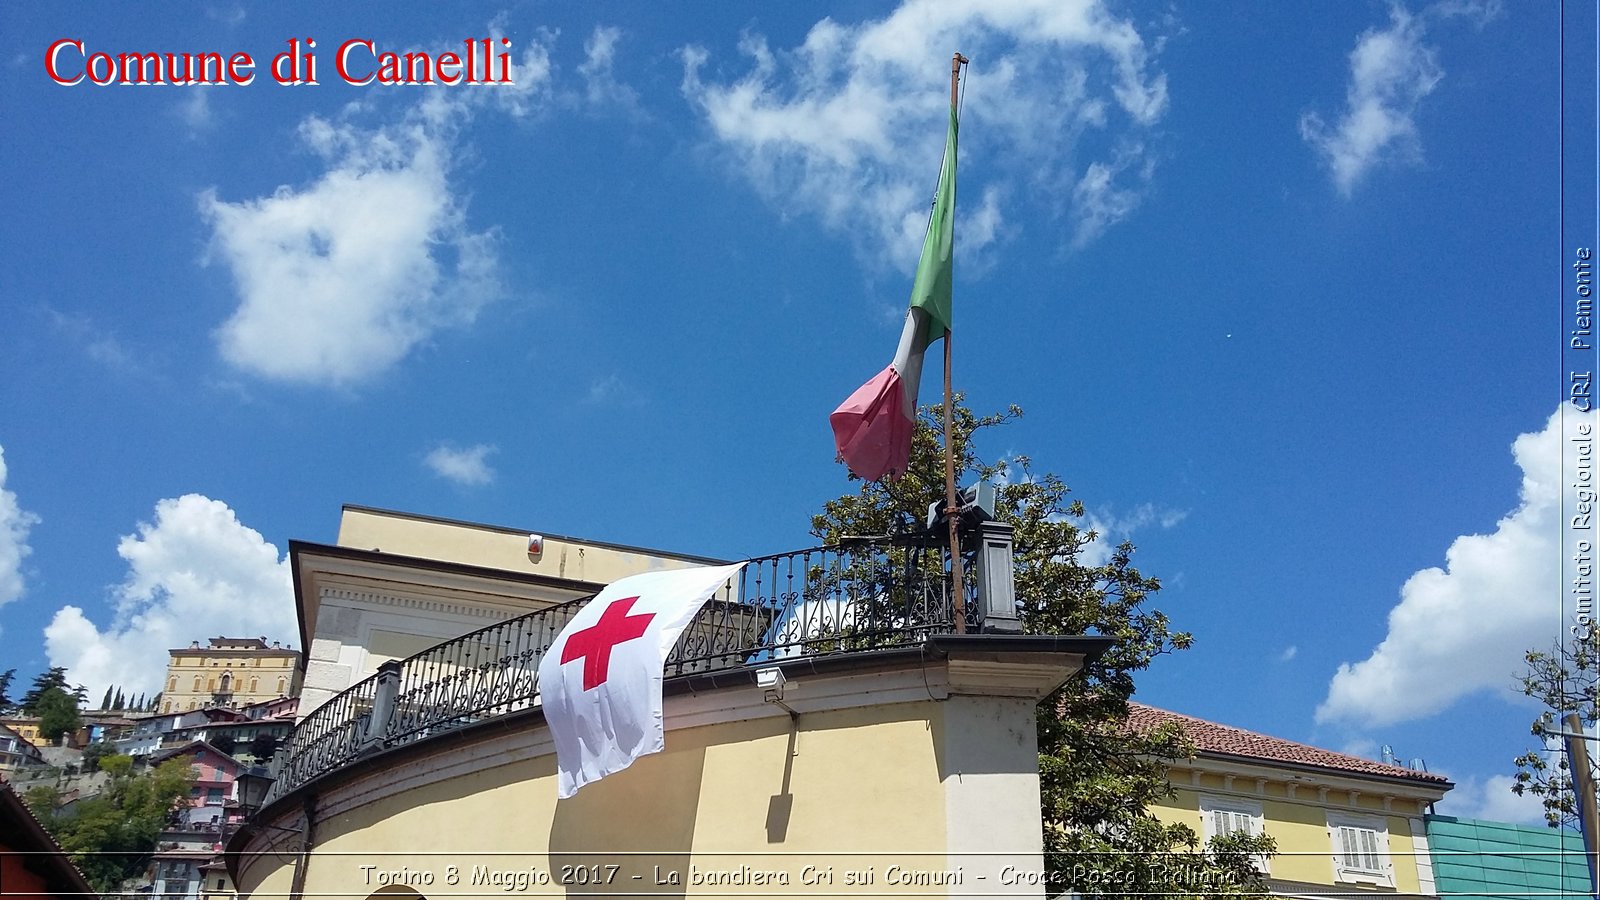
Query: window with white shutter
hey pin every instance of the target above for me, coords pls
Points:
(1225, 815)
(1360, 849)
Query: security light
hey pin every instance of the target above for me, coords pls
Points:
(771, 679)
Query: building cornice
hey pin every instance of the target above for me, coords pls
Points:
(214, 651)
(312, 564)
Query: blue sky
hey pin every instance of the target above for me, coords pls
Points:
(1278, 289)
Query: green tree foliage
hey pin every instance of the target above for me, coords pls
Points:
(6, 705)
(55, 678)
(105, 702)
(1564, 679)
(224, 743)
(1098, 777)
(58, 714)
(112, 835)
(42, 800)
(117, 765)
(263, 745)
(94, 754)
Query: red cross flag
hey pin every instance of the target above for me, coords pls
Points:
(600, 682)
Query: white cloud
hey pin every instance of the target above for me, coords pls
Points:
(1464, 628)
(1478, 13)
(231, 14)
(601, 87)
(848, 126)
(15, 523)
(463, 466)
(197, 572)
(101, 346)
(1391, 71)
(340, 279)
(1491, 799)
(1289, 652)
(195, 108)
(1113, 529)
(613, 390)
(1102, 200)
(604, 387)
(1361, 747)
(530, 91)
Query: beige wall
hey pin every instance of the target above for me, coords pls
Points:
(708, 803)
(498, 548)
(887, 776)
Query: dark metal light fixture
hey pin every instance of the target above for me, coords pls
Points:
(254, 783)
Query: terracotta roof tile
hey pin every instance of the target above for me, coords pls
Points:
(1211, 737)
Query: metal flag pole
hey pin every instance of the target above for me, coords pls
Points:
(958, 584)
(1583, 786)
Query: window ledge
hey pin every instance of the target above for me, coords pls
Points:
(1356, 876)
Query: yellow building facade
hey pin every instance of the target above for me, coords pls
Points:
(1343, 825)
(27, 728)
(231, 672)
(823, 736)
(907, 772)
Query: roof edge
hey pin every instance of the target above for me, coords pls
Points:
(505, 529)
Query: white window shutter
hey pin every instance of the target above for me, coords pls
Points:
(1223, 816)
(1369, 849)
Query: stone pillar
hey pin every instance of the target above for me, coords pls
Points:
(997, 596)
(382, 703)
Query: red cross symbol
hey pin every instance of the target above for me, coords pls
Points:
(594, 643)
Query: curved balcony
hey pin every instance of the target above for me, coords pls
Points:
(862, 596)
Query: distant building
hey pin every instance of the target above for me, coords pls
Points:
(238, 727)
(231, 672)
(276, 708)
(16, 752)
(214, 773)
(215, 883)
(1343, 824)
(165, 731)
(149, 734)
(1474, 858)
(175, 872)
(186, 853)
(25, 727)
(102, 725)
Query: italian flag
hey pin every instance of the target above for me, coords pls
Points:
(872, 428)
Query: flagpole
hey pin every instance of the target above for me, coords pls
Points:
(958, 584)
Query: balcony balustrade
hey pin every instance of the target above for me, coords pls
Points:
(859, 596)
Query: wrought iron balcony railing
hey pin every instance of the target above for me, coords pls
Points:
(864, 595)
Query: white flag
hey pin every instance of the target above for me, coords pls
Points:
(600, 682)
